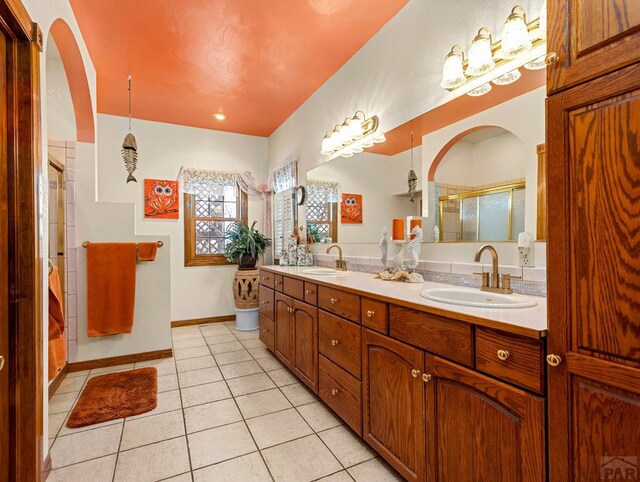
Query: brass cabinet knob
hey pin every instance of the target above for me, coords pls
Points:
(307, 292)
(265, 278)
(553, 360)
(334, 391)
(426, 377)
(503, 354)
(415, 373)
(334, 301)
(1, 362)
(335, 342)
(264, 302)
(371, 313)
(266, 330)
(551, 58)
(278, 282)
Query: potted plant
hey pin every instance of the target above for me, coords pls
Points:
(245, 245)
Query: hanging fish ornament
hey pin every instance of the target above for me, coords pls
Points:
(130, 155)
(412, 179)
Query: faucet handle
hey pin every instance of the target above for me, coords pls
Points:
(485, 278)
(505, 281)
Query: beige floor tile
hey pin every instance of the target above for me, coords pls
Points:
(282, 377)
(186, 335)
(270, 364)
(184, 353)
(55, 423)
(213, 330)
(167, 383)
(218, 444)
(211, 415)
(298, 394)
(259, 353)
(165, 369)
(342, 476)
(374, 469)
(261, 403)
(278, 427)
(101, 470)
(195, 363)
(115, 368)
(233, 357)
(348, 448)
(241, 369)
(246, 335)
(86, 445)
(64, 430)
(250, 384)
(226, 347)
(199, 377)
(167, 402)
(189, 343)
(62, 403)
(83, 373)
(154, 428)
(248, 468)
(70, 385)
(179, 478)
(223, 338)
(319, 416)
(155, 363)
(301, 460)
(153, 462)
(253, 343)
(184, 329)
(207, 393)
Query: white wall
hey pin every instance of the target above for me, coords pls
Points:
(61, 123)
(196, 292)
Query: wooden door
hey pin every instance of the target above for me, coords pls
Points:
(479, 429)
(594, 280)
(284, 329)
(4, 269)
(591, 38)
(305, 343)
(393, 402)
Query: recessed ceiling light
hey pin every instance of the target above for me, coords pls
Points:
(219, 116)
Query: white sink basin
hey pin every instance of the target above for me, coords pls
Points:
(324, 272)
(480, 299)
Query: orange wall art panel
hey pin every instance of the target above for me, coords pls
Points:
(161, 200)
(351, 209)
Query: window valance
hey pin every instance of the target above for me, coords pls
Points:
(326, 190)
(198, 179)
(284, 176)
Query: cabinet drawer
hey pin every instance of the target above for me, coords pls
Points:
(523, 358)
(375, 315)
(293, 287)
(266, 278)
(266, 296)
(449, 338)
(339, 340)
(342, 393)
(310, 293)
(339, 303)
(277, 282)
(267, 332)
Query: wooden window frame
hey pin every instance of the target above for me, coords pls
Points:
(332, 223)
(190, 256)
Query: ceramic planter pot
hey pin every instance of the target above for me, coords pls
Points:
(247, 262)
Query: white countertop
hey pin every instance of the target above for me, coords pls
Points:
(534, 318)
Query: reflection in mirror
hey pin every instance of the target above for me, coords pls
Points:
(284, 218)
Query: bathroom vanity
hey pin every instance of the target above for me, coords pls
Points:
(443, 392)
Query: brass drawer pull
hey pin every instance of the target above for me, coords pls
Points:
(1, 362)
(415, 373)
(278, 282)
(334, 391)
(334, 301)
(371, 313)
(264, 302)
(426, 377)
(308, 292)
(266, 330)
(503, 354)
(335, 342)
(265, 278)
(553, 360)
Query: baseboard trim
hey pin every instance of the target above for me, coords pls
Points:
(202, 321)
(53, 386)
(46, 467)
(119, 360)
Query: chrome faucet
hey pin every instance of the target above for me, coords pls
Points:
(341, 264)
(493, 281)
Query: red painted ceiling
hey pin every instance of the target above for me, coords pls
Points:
(257, 61)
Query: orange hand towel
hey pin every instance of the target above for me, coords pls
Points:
(111, 288)
(56, 315)
(147, 251)
(57, 356)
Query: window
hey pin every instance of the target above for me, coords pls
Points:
(208, 214)
(322, 210)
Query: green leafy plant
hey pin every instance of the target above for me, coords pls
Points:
(314, 232)
(244, 240)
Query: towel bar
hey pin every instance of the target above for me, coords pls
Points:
(86, 243)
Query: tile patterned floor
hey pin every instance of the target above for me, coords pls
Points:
(228, 411)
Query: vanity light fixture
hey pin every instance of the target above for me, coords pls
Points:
(515, 35)
(452, 70)
(354, 135)
(508, 78)
(478, 91)
(480, 54)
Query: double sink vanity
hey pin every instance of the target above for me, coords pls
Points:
(445, 383)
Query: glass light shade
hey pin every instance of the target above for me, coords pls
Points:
(536, 64)
(327, 146)
(354, 125)
(347, 154)
(357, 149)
(515, 35)
(344, 134)
(508, 78)
(452, 70)
(335, 138)
(367, 144)
(478, 91)
(480, 55)
(380, 139)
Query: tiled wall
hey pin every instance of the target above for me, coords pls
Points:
(65, 152)
(533, 282)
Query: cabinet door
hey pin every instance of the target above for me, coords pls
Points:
(305, 343)
(594, 281)
(591, 38)
(284, 329)
(479, 429)
(393, 402)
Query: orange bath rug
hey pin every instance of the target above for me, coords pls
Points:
(116, 395)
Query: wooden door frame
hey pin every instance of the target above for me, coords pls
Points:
(24, 264)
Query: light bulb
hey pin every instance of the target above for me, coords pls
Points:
(452, 70)
(357, 149)
(367, 144)
(536, 64)
(480, 55)
(327, 146)
(347, 154)
(508, 78)
(478, 91)
(380, 139)
(515, 35)
(354, 126)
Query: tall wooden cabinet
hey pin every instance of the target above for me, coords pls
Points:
(593, 141)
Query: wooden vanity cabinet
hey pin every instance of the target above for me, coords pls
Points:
(305, 343)
(284, 329)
